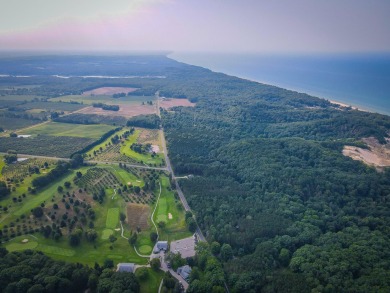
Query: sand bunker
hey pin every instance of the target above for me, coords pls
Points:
(117, 229)
(170, 216)
(25, 240)
(129, 183)
(377, 155)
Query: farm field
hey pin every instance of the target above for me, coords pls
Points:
(10, 123)
(109, 91)
(124, 110)
(89, 100)
(51, 106)
(20, 98)
(67, 129)
(43, 145)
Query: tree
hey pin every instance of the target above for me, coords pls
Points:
(153, 236)
(137, 189)
(60, 189)
(133, 238)
(155, 264)
(191, 225)
(91, 235)
(75, 237)
(4, 191)
(161, 224)
(37, 212)
(226, 252)
(10, 158)
(215, 248)
(112, 238)
(77, 160)
(122, 217)
(67, 184)
(142, 273)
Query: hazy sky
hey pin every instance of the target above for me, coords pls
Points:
(193, 25)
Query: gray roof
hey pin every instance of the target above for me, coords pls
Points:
(184, 271)
(125, 267)
(162, 245)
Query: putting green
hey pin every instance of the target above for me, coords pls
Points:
(21, 246)
(145, 249)
(112, 218)
(106, 233)
(163, 218)
(56, 250)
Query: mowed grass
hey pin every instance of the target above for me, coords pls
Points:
(21, 246)
(152, 282)
(106, 233)
(112, 218)
(68, 129)
(176, 227)
(56, 250)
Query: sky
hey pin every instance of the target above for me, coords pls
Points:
(281, 26)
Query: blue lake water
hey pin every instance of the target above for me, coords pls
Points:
(361, 80)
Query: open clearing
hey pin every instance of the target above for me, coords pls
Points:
(166, 103)
(112, 218)
(68, 129)
(109, 91)
(377, 155)
(124, 110)
(138, 215)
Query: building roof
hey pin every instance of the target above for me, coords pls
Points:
(184, 271)
(162, 245)
(125, 267)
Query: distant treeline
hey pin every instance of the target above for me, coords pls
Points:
(146, 121)
(78, 118)
(106, 107)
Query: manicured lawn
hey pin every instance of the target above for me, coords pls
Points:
(112, 218)
(68, 129)
(176, 227)
(21, 246)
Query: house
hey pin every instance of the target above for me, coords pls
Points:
(160, 246)
(126, 267)
(184, 271)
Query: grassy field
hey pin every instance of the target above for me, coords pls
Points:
(112, 218)
(67, 129)
(176, 227)
(103, 144)
(2, 164)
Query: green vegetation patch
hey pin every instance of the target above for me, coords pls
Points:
(112, 218)
(21, 246)
(10, 123)
(145, 249)
(55, 250)
(67, 129)
(106, 233)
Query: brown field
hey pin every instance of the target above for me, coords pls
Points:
(124, 110)
(149, 136)
(137, 216)
(109, 91)
(166, 103)
(377, 155)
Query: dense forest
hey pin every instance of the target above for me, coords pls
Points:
(272, 183)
